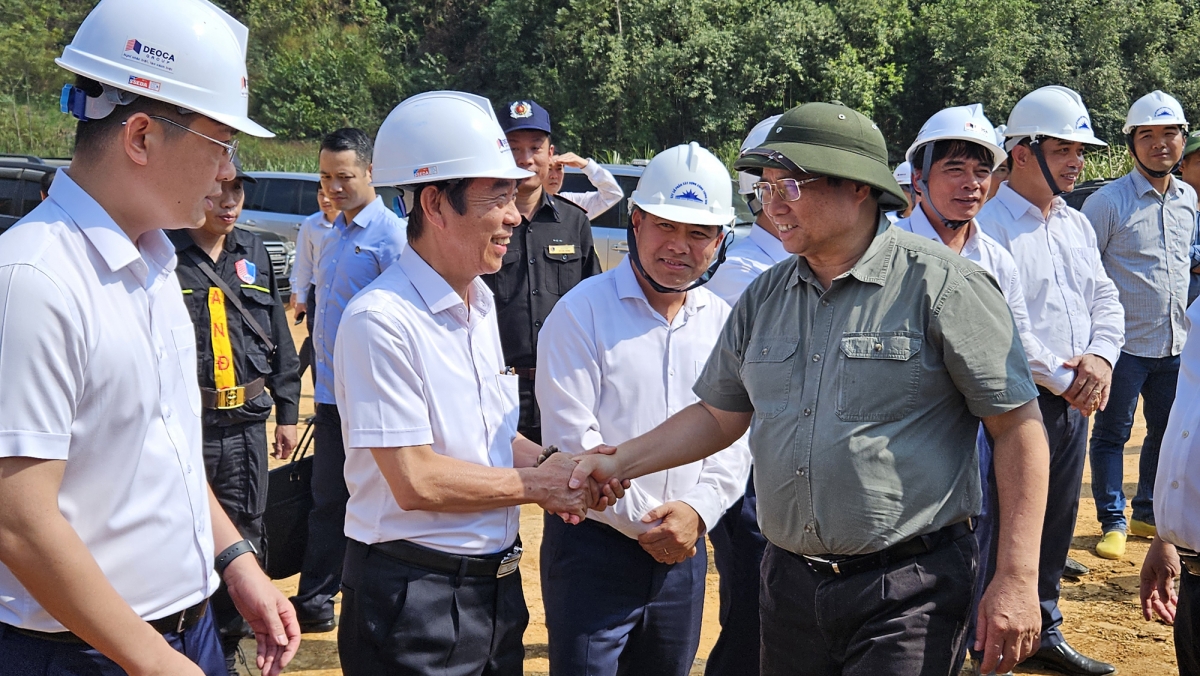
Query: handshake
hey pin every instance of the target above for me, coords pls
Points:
(570, 485)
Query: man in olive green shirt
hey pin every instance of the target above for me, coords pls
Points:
(868, 361)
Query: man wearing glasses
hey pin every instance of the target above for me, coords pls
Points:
(866, 363)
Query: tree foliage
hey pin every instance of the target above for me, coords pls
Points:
(636, 75)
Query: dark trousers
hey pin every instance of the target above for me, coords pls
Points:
(738, 548)
(23, 655)
(321, 575)
(400, 620)
(1154, 380)
(1067, 430)
(235, 460)
(530, 421)
(611, 609)
(906, 619)
(1187, 625)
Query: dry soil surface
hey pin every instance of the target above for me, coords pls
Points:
(1102, 616)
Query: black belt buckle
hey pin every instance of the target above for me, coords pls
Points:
(510, 562)
(823, 564)
(1189, 560)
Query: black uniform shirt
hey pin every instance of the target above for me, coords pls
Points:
(251, 359)
(548, 255)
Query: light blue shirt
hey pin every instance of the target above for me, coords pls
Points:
(1145, 241)
(353, 256)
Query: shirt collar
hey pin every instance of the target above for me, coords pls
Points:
(872, 267)
(547, 201)
(435, 291)
(629, 289)
(1018, 206)
(769, 244)
(919, 224)
(235, 240)
(364, 217)
(1141, 185)
(109, 240)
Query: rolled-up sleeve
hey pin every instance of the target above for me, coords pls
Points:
(981, 348)
(381, 395)
(42, 362)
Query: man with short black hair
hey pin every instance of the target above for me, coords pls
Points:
(367, 238)
(551, 251)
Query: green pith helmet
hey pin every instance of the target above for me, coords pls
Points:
(1193, 143)
(829, 139)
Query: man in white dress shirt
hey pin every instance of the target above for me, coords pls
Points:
(107, 527)
(607, 191)
(1175, 550)
(737, 542)
(1073, 309)
(434, 464)
(618, 355)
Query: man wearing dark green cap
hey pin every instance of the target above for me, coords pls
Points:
(866, 363)
(1189, 170)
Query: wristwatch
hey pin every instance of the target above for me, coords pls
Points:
(232, 552)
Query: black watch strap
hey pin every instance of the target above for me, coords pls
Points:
(232, 552)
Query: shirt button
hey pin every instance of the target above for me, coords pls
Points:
(671, 372)
(808, 528)
(808, 411)
(816, 357)
(764, 351)
(1174, 484)
(879, 347)
(537, 323)
(167, 411)
(825, 302)
(1185, 434)
(534, 292)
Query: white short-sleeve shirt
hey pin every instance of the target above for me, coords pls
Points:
(413, 365)
(1177, 484)
(611, 368)
(98, 368)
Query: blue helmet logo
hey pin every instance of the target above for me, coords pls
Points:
(1164, 112)
(1083, 123)
(690, 191)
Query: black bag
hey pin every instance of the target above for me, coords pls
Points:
(289, 500)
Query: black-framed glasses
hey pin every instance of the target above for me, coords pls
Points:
(788, 189)
(230, 147)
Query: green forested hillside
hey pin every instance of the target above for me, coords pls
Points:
(631, 76)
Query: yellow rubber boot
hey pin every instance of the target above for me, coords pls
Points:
(1111, 546)
(1142, 529)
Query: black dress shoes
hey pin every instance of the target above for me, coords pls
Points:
(317, 626)
(1075, 570)
(1063, 658)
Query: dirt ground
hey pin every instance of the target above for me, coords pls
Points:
(1102, 616)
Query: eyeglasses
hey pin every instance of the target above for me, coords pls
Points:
(788, 189)
(230, 148)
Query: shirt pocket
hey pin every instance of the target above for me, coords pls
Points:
(561, 269)
(1081, 263)
(767, 373)
(184, 338)
(879, 376)
(260, 305)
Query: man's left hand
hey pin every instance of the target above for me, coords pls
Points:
(1009, 624)
(269, 613)
(673, 540)
(285, 441)
(1093, 380)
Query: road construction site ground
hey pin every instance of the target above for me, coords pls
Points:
(1103, 618)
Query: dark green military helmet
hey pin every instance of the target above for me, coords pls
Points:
(1193, 143)
(829, 139)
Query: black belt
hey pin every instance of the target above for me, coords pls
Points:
(175, 623)
(231, 397)
(526, 373)
(493, 565)
(1189, 560)
(852, 565)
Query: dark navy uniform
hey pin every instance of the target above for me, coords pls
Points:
(548, 255)
(235, 435)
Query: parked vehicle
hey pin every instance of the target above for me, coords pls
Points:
(1082, 191)
(281, 200)
(20, 187)
(609, 228)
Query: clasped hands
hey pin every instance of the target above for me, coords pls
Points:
(571, 499)
(1093, 381)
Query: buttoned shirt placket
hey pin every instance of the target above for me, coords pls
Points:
(820, 326)
(1078, 316)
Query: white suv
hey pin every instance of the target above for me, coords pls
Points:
(281, 200)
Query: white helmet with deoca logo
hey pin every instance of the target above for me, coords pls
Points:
(1157, 108)
(1054, 111)
(441, 136)
(686, 184)
(189, 53)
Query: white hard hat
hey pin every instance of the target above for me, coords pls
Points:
(756, 137)
(903, 173)
(686, 184)
(963, 123)
(1155, 109)
(439, 136)
(1053, 110)
(189, 53)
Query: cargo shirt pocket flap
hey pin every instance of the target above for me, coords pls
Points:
(896, 346)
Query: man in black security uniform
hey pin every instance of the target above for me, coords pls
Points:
(550, 252)
(244, 348)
